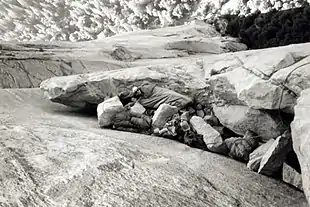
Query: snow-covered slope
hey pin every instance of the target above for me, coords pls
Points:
(78, 20)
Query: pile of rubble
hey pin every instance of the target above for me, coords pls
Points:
(175, 116)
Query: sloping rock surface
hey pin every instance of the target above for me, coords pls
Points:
(301, 140)
(25, 65)
(53, 156)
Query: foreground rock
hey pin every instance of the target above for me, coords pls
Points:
(54, 156)
(240, 119)
(301, 139)
(257, 155)
(273, 159)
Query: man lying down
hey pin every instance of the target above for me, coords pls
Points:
(132, 110)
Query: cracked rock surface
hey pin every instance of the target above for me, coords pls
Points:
(53, 156)
(25, 65)
(301, 140)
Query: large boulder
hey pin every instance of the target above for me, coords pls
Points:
(93, 88)
(301, 138)
(51, 155)
(240, 119)
(271, 78)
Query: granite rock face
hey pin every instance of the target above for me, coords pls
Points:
(25, 65)
(52, 155)
(240, 118)
(271, 78)
(93, 88)
(301, 140)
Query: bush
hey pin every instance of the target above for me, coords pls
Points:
(272, 29)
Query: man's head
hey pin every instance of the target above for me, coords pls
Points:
(136, 91)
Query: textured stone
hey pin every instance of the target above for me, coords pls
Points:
(107, 110)
(291, 176)
(137, 108)
(200, 113)
(163, 114)
(210, 135)
(301, 138)
(257, 155)
(57, 156)
(185, 116)
(92, 88)
(272, 161)
(271, 78)
(211, 119)
(239, 119)
(25, 65)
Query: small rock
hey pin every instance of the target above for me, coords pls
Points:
(257, 154)
(163, 131)
(156, 131)
(210, 135)
(185, 126)
(122, 53)
(198, 107)
(191, 111)
(220, 129)
(163, 114)
(185, 116)
(211, 119)
(200, 113)
(137, 108)
(207, 110)
(107, 110)
(291, 176)
(275, 156)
